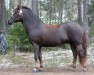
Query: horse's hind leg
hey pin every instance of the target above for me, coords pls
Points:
(82, 56)
(74, 51)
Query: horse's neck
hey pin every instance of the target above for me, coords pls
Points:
(31, 23)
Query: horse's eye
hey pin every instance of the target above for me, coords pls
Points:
(15, 12)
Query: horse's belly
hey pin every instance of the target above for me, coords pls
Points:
(54, 41)
(51, 43)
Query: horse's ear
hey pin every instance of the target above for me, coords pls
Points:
(18, 7)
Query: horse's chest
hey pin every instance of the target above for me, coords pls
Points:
(35, 37)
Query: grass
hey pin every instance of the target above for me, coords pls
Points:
(28, 59)
(50, 58)
(16, 59)
(57, 61)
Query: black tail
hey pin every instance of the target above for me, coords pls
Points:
(84, 45)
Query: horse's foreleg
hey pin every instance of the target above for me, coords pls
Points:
(82, 56)
(74, 51)
(36, 57)
(40, 58)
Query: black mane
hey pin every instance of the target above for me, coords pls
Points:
(24, 7)
(36, 16)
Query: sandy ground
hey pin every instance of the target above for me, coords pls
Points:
(47, 70)
(66, 70)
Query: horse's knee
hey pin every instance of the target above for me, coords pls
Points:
(75, 53)
(81, 53)
(40, 57)
(79, 48)
(35, 57)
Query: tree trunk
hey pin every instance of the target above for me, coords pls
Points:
(2, 14)
(0, 11)
(79, 12)
(61, 10)
(35, 6)
(50, 12)
(85, 18)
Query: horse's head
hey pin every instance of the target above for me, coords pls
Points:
(16, 16)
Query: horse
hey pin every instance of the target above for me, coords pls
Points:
(44, 35)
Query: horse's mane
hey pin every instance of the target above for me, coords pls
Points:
(24, 7)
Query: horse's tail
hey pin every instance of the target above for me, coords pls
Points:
(84, 42)
(84, 45)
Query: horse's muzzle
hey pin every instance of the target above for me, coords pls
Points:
(10, 21)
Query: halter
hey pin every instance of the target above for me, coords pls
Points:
(19, 14)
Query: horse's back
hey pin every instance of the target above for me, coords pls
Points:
(73, 31)
(63, 33)
(71, 27)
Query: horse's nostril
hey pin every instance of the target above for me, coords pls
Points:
(9, 23)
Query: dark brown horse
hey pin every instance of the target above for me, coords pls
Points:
(43, 35)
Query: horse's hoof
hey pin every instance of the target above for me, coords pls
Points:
(37, 70)
(84, 69)
(72, 69)
(72, 66)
